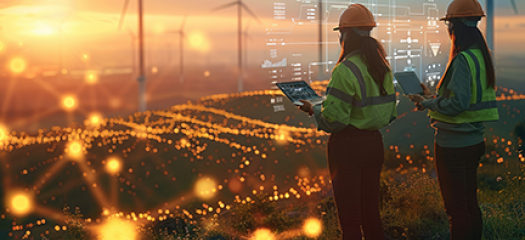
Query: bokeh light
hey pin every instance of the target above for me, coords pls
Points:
(113, 165)
(198, 41)
(207, 73)
(75, 150)
(117, 229)
(3, 133)
(312, 227)
(17, 65)
(69, 102)
(95, 119)
(262, 234)
(91, 77)
(20, 204)
(205, 188)
(235, 185)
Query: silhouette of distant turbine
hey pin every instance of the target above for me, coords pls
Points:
(240, 6)
(142, 77)
(182, 35)
(490, 21)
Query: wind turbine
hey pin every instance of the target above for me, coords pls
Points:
(182, 35)
(142, 77)
(133, 44)
(240, 6)
(246, 37)
(490, 22)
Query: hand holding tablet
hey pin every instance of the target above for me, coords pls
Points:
(409, 82)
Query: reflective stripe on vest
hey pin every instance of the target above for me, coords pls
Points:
(483, 105)
(365, 101)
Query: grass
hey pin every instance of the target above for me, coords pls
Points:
(411, 203)
(410, 209)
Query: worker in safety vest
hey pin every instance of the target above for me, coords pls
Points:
(465, 99)
(360, 99)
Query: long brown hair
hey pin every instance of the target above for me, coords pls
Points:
(374, 54)
(463, 37)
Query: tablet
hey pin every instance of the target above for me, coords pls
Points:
(299, 90)
(409, 82)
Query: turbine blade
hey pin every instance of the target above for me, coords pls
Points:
(183, 24)
(513, 3)
(123, 14)
(250, 12)
(224, 6)
(247, 27)
(132, 34)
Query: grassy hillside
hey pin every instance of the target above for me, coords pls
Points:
(237, 142)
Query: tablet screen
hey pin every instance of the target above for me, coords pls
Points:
(409, 82)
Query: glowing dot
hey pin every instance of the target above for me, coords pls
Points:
(204, 187)
(116, 229)
(198, 41)
(57, 228)
(69, 102)
(75, 150)
(64, 71)
(85, 57)
(207, 73)
(91, 77)
(235, 185)
(3, 133)
(154, 70)
(263, 234)
(20, 204)
(113, 166)
(312, 227)
(17, 65)
(95, 119)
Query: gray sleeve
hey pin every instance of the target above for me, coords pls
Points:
(324, 124)
(460, 84)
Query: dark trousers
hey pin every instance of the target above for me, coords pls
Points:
(457, 174)
(355, 158)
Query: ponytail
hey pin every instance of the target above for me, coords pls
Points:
(374, 55)
(375, 59)
(464, 37)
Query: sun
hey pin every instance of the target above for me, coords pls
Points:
(43, 30)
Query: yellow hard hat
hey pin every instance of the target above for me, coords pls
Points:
(356, 15)
(462, 9)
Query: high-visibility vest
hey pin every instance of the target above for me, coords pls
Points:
(483, 105)
(356, 99)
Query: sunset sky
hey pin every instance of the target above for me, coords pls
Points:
(35, 29)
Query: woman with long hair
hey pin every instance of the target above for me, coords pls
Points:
(360, 100)
(465, 99)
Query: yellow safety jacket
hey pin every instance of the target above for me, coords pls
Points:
(354, 99)
(483, 104)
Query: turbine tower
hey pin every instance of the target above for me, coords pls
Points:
(490, 22)
(142, 77)
(246, 38)
(182, 35)
(240, 6)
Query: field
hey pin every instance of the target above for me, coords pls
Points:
(225, 154)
